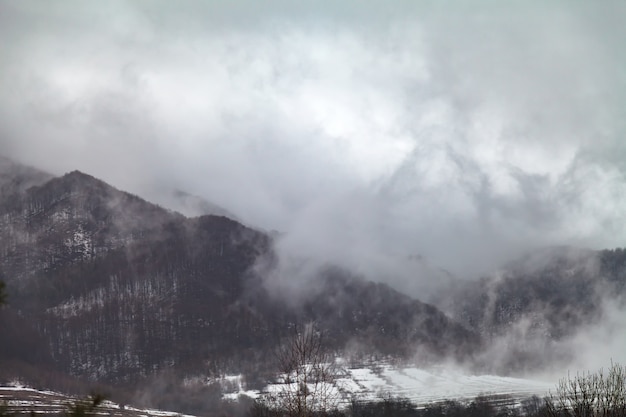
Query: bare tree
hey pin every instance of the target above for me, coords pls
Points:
(307, 376)
(590, 395)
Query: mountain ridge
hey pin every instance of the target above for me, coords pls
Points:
(105, 286)
(122, 289)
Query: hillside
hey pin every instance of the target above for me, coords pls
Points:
(24, 401)
(538, 305)
(108, 288)
(115, 289)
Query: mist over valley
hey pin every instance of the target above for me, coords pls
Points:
(423, 200)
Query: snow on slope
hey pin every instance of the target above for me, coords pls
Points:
(422, 386)
(23, 400)
(360, 383)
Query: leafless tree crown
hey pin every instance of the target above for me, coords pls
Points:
(597, 394)
(308, 375)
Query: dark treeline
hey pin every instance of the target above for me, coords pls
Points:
(482, 406)
(207, 401)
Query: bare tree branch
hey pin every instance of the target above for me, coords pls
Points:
(308, 376)
(590, 395)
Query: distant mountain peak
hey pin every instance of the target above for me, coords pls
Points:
(77, 176)
(16, 177)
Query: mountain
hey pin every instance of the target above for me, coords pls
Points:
(68, 220)
(540, 302)
(107, 287)
(112, 288)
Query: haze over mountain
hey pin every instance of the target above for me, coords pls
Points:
(559, 307)
(122, 289)
(108, 287)
(193, 206)
(15, 177)
(420, 154)
(465, 133)
(77, 251)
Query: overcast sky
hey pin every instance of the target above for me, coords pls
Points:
(373, 133)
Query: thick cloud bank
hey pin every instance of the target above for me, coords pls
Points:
(396, 138)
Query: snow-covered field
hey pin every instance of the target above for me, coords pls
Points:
(359, 383)
(421, 386)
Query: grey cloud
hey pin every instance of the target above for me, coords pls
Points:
(371, 134)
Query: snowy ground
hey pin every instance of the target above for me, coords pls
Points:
(361, 383)
(421, 386)
(19, 399)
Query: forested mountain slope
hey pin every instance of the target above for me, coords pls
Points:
(117, 289)
(539, 302)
